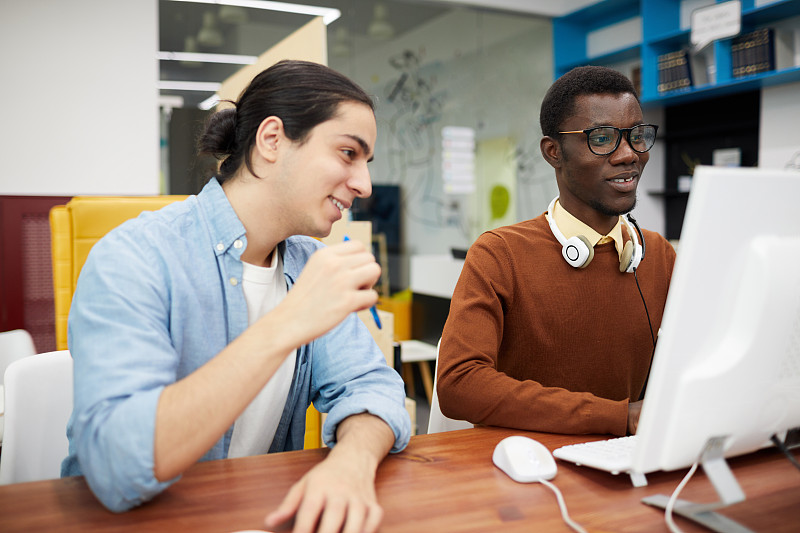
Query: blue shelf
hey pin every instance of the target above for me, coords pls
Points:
(672, 38)
(749, 83)
(570, 33)
(661, 18)
(661, 33)
(602, 13)
(770, 12)
(623, 54)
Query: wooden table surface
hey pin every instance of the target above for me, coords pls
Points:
(444, 482)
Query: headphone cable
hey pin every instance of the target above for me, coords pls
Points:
(652, 337)
(646, 311)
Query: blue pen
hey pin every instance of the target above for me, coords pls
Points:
(373, 309)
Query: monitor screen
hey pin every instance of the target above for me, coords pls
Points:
(727, 361)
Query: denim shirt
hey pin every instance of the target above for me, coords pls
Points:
(160, 296)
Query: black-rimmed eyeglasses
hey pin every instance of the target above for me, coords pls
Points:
(603, 140)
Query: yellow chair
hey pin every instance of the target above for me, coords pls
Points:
(76, 226)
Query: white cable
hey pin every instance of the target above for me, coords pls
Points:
(563, 506)
(672, 499)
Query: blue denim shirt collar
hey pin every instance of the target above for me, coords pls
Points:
(225, 228)
(224, 225)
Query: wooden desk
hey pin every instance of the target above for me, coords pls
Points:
(444, 482)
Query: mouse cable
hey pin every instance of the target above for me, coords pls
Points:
(674, 498)
(563, 506)
(782, 447)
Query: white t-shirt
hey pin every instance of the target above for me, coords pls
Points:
(253, 431)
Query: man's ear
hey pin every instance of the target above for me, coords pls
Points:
(551, 151)
(269, 137)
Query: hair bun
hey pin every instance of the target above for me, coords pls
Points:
(219, 137)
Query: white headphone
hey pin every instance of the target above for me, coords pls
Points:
(578, 251)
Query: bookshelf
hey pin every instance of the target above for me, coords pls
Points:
(694, 132)
(631, 35)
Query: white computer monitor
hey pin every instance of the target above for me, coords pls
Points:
(727, 361)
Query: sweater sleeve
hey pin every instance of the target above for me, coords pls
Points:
(470, 387)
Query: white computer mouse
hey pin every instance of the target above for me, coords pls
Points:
(525, 460)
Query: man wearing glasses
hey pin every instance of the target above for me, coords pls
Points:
(552, 323)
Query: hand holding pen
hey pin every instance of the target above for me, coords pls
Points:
(373, 309)
(336, 281)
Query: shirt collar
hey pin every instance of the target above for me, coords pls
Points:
(224, 226)
(570, 226)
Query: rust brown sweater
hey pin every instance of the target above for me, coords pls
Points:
(533, 343)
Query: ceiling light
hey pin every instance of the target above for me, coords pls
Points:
(209, 34)
(209, 102)
(380, 28)
(202, 86)
(230, 59)
(190, 48)
(232, 14)
(342, 46)
(328, 14)
(168, 101)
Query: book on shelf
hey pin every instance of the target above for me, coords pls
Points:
(753, 53)
(674, 71)
(636, 79)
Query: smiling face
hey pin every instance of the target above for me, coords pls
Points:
(597, 189)
(322, 175)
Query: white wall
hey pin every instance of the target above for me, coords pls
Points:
(80, 98)
(650, 209)
(779, 135)
(482, 70)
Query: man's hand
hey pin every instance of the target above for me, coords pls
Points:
(336, 281)
(338, 494)
(330, 495)
(634, 408)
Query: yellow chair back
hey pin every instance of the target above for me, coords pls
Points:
(75, 227)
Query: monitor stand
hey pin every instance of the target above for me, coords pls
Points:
(713, 460)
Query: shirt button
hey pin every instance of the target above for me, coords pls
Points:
(238, 243)
(234, 281)
(220, 247)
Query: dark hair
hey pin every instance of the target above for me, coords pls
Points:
(301, 93)
(559, 102)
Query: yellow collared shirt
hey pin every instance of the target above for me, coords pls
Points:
(571, 226)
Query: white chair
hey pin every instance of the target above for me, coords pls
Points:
(38, 406)
(14, 344)
(437, 422)
(414, 351)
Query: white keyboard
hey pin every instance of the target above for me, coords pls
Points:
(612, 455)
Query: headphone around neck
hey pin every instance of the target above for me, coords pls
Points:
(579, 252)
